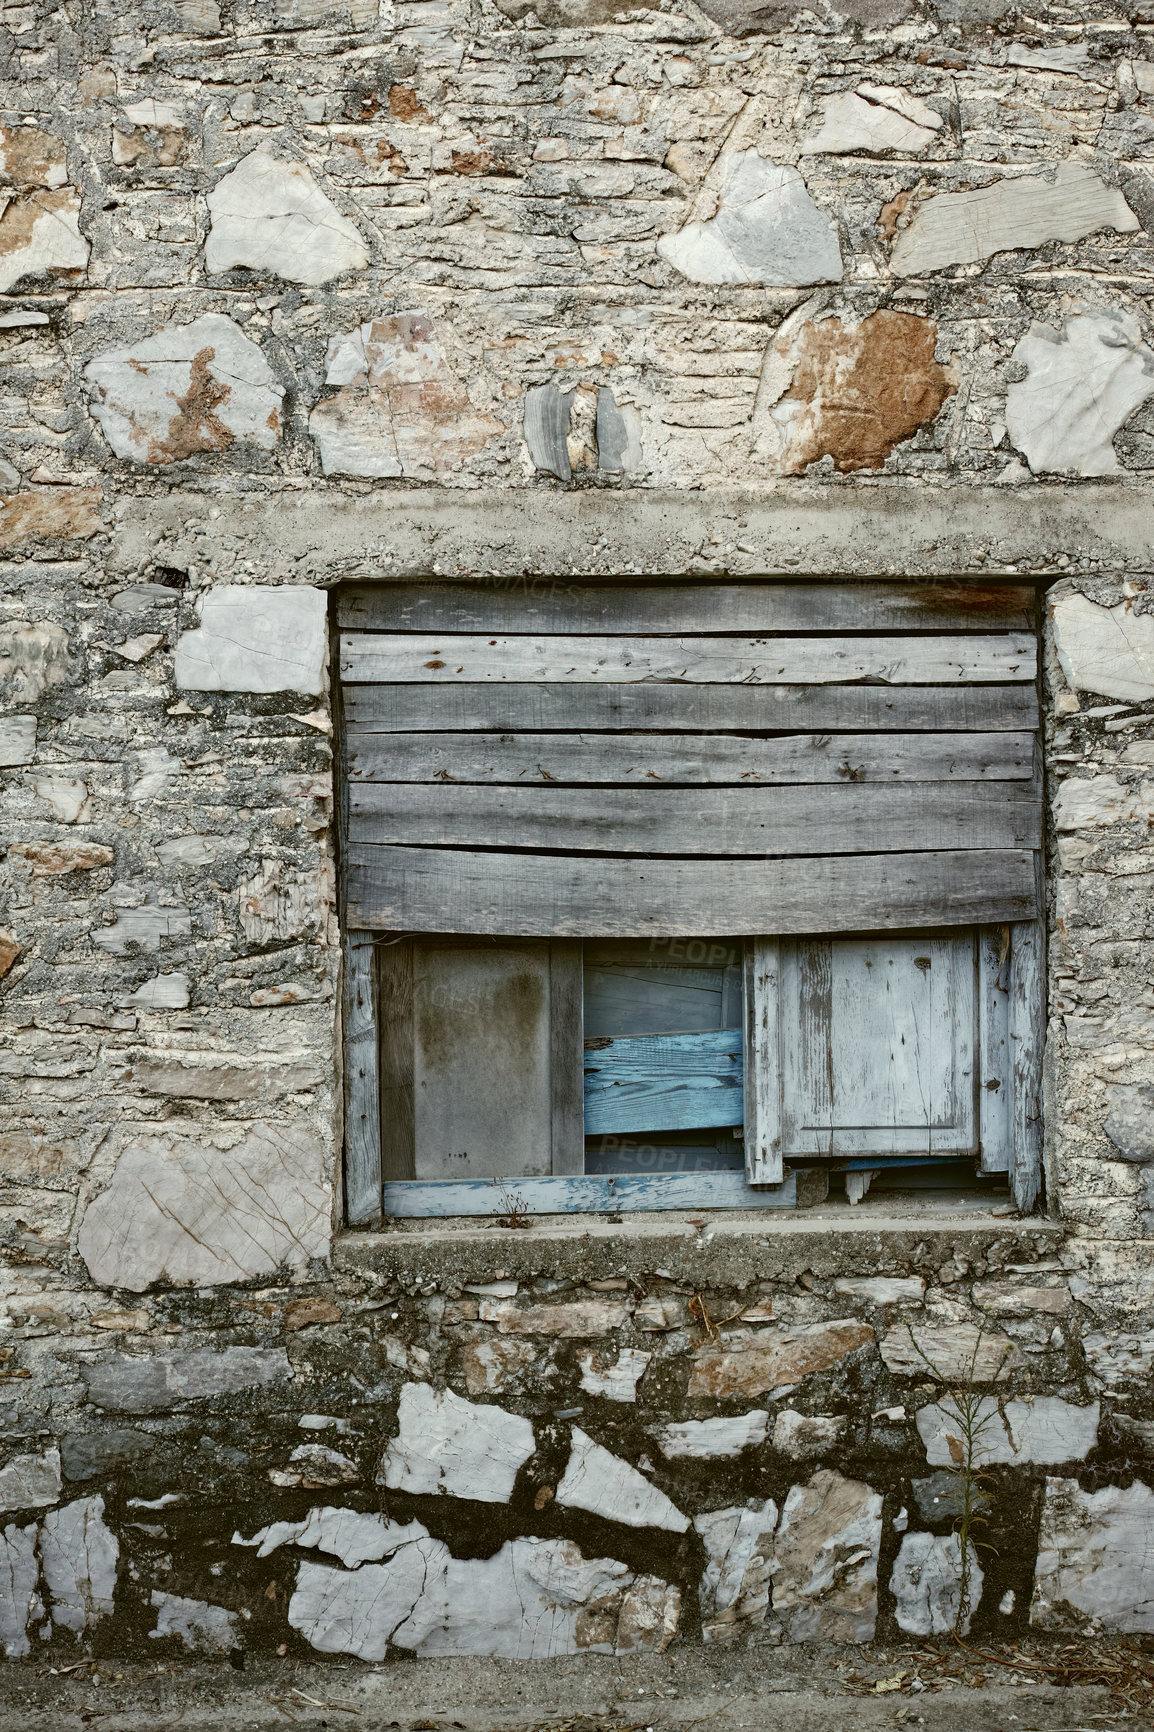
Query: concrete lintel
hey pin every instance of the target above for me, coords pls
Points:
(322, 534)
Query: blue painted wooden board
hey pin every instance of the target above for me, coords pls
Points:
(663, 1082)
(565, 1196)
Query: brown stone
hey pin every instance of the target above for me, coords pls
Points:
(304, 1313)
(64, 514)
(9, 951)
(256, 1082)
(1005, 1297)
(24, 1155)
(404, 104)
(956, 1352)
(50, 859)
(488, 1364)
(777, 1358)
(861, 390)
(580, 1317)
(29, 157)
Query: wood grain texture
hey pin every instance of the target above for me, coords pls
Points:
(431, 890)
(441, 658)
(1027, 1029)
(834, 818)
(995, 1076)
(762, 1077)
(687, 759)
(663, 1082)
(519, 707)
(566, 1040)
(557, 605)
(589, 1195)
(362, 1082)
(397, 1049)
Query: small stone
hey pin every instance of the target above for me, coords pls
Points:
(85, 1454)
(766, 230)
(826, 1558)
(52, 859)
(142, 929)
(1095, 1569)
(955, 1352)
(32, 658)
(312, 1466)
(304, 1313)
(1121, 1357)
(159, 1383)
(202, 1628)
(40, 237)
(800, 1434)
(187, 389)
(616, 1379)
(66, 795)
(135, 649)
(60, 514)
(10, 950)
(17, 741)
(581, 1317)
(600, 1482)
(961, 228)
(852, 121)
(882, 1289)
(1038, 1428)
(717, 1439)
(78, 1555)
(30, 1481)
(939, 1497)
(30, 157)
(162, 992)
(1130, 1122)
(618, 439)
(735, 1587)
(1084, 803)
(451, 1446)
(489, 1365)
(271, 217)
(777, 1358)
(927, 1585)
(1006, 1300)
(254, 639)
(654, 1315)
(1083, 381)
(649, 1616)
(546, 425)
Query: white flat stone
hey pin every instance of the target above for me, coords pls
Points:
(1109, 650)
(78, 1554)
(19, 1600)
(852, 122)
(735, 1586)
(615, 1379)
(17, 741)
(356, 1611)
(882, 1289)
(256, 640)
(354, 1537)
(183, 1211)
(1095, 1570)
(30, 1481)
(803, 1434)
(67, 796)
(186, 389)
(1083, 381)
(903, 102)
(162, 992)
(1083, 803)
(1120, 1357)
(600, 1482)
(272, 217)
(713, 1439)
(401, 410)
(960, 228)
(203, 1628)
(40, 236)
(927, 1584)
(826, 1560)
(954, 1351)
(448, 1445)
(766, 230)
(1040, 1428)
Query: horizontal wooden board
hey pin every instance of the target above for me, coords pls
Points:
(543, 604)
(389, 709)
(663, 1082)
(688, 759)
(608, 1195)
(440, 658)
(833, 818)
(435, 890)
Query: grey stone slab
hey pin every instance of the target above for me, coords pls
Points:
(156, 1385)
(618, 434)
(1082, 382)
(78, 1556)
(202, 1628)
(17, 741)
(254, 639)
(269, 215)
(455, 1447)
(598, 1481)
(1095, 1570)
(30, 1481)
(938, 1497)
(1038, 1428)
(1130, 1121)
(84, 1454)
(766, 230)
(547, 428)
(926, 1583)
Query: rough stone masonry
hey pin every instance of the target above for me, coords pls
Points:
(304, 290)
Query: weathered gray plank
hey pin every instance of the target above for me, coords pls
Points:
(397, 1051)
(833, 818)
(442, 657)
(362, 1082)
(566, 1042)
(1027, 1026)
(688, 758)
(543, 604)
(663, 1082)
(585, 1196)
(995, 1075)
(390, 709)
(434, 890)
(763, 1163)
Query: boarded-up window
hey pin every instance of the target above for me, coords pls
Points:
(545, 781)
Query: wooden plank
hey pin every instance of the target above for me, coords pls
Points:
(834, 818)
(517, 707)
(397, 1046)
(566, 1042)
(434, 890)
(663, 1082)
(1027, 1025)
(688, 759)
(555, 605)
(441, 658)
(362, 1083)
(763, 1163)
(995, 1074)
(589, 1195)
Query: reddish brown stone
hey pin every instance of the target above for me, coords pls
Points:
(862, 390)
(404, 104)
(774, 1359)
(64, 514)
(9, 951)
(304, 1313)
(50, 859)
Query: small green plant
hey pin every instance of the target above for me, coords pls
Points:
(971, 1412)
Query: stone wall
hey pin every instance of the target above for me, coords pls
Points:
(300, 292)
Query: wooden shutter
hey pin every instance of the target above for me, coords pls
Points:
(661, 758)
